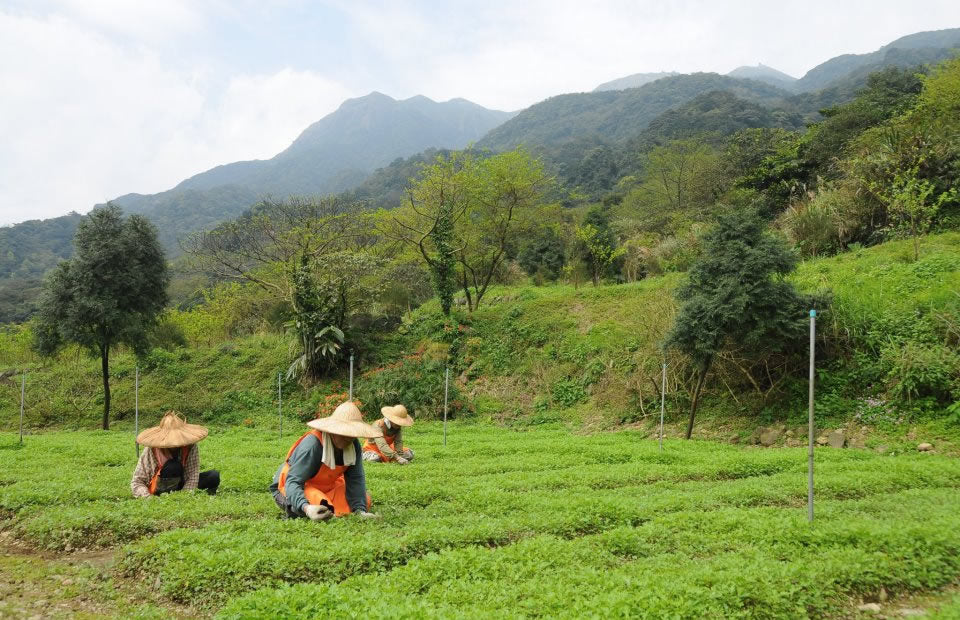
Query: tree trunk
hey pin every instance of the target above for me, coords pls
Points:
(696, 395)
(105, 371)
(916, 241)
(466, 289)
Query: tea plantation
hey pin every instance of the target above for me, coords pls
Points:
(503, 523)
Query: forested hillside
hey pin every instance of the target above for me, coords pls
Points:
(615, 115)
(913, 49)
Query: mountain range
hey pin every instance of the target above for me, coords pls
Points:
(371, 145)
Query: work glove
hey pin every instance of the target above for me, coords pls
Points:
(363, 514)
(402, 461)
(317, 512)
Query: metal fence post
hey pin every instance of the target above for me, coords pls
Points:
(663, 395)
(136, 410)
(446, 393)
(23, 391)
(813, 330)
(280, 405)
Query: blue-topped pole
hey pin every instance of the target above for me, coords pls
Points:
(813, 331)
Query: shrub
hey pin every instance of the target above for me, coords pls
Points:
(922, 370)
(416, 381)
(167, 334)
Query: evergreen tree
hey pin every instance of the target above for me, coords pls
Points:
(111, 292)
(736, 293)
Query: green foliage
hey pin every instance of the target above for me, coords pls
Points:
(543, 255)
(417, 382)
(167, 334)
(598, 249)
(736, 298)
(443, 266)
(681, 181)
(892, 322)
(823, 225)
(489, 523)
(736, 292)
(110, 293)
(568, 393)
(918, 370)
(469, 210)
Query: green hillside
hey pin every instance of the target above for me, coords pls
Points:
(586, 356)
(615, 115)
(913, 49)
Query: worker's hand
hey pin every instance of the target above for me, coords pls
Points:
(401, 460)
(317, 512)
(363, 514)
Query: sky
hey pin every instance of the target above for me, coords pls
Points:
(99, 98)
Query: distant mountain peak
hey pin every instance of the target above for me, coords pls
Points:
(907, 51)
(764, 73)
(634, 81)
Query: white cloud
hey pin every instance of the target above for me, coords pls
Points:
(85, 119)
(104, 97)
(512, 54)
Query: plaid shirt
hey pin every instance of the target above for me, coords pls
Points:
(148, 465)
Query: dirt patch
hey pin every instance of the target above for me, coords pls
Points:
(48, 584)
(32, 586)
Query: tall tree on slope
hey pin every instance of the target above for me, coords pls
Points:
(736, 293)
(111, 292)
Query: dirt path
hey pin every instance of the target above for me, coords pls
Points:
(80, 585)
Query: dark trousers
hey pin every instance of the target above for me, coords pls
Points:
(171, 478)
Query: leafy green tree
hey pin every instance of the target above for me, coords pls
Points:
(543, 253)
(110, 293)
(736, 293)
(915, 202)
(436, 201)
(598, 249)
(681, 181)
(508, 188)
(486, 203)
(306, 252)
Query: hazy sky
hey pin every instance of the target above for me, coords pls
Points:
(99, 98)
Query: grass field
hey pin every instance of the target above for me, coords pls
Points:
(501, 523)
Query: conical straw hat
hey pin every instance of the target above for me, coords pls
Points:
(397, 415)
(173, 432)
(346, 420)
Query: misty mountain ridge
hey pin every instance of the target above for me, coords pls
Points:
(633, 81)
(763, 73)
(922, 47)
(912, 49)
(332, 155)
(338, 151)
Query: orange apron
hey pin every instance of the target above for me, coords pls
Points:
(371, 445)
(162, 458)
(326, 487)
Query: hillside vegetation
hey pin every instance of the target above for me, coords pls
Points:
(533, 355)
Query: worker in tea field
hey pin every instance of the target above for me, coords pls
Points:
(322, 475)
(389, 448)
(171, 461)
